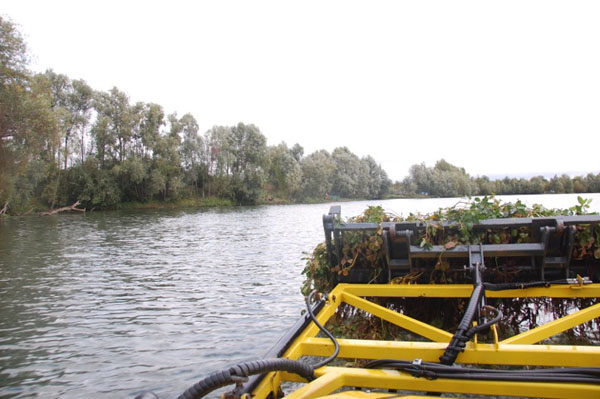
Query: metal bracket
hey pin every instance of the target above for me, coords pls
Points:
(549, 255)
(331, 236)
(397, 244)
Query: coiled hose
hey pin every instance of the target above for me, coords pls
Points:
(239, 371)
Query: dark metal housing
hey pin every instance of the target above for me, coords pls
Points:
(549, 256)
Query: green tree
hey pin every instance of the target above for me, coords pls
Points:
(378, 183)
(593, 183)
(443, 180)
(165, 177)
(579, 184)
(350, 178)
(555, 185)
(317, 169)
(71, 104)
(218, 160)
(450, 180)
(248, 149)
(297, 152)
(147, 136)
(421, 176)
(28, 128)
(14, 56)
(103, 140)
(117, 115)
(538, 185)
(484, 185)
(567, 183)
(285, 173)
(193, 155)
(406, 187)
(80, 100)
(192, 145)
(99, 187)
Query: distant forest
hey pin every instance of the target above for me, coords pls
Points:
(447, 180)
(62, 142)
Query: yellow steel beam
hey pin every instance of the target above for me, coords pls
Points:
(392, 379)
(512, 352)
(555, 327)
(406, 290)
(325, 384)
(371, 395)
(464, 291)
(312, 330)
(554, 291)
(295, 352)
(502, 354)
(408, 323)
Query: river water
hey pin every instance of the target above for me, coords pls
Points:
(106, 304)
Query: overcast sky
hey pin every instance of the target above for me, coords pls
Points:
(499, 88)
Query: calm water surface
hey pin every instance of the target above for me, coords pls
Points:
(104, 305)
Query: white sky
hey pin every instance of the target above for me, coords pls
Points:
(499, 88)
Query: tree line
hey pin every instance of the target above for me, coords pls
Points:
(62, 141)
(447, 180)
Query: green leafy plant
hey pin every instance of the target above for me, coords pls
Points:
(363, 251)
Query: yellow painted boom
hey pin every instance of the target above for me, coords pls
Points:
(523, 350)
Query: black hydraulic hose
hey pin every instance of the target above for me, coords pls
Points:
(515, 286)
(531, 284)
(401, 364)
(434, 371)
(240, 371)
(324, 330)
(463, 332)
(523, 378)
(474, 330)
(471, 308)
(459, 339)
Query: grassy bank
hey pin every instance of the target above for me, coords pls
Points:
(207, 202)
(35, 208)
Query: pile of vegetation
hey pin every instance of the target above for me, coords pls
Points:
(364, 251)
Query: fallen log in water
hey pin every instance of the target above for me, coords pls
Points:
(64, 209)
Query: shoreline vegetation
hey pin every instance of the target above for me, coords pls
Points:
(64, 143)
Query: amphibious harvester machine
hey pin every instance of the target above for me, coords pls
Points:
(470, 360)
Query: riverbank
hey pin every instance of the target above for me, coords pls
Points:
(207, 202)
(215, 202)
(183, 203)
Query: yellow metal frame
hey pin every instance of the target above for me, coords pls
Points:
(521, 349)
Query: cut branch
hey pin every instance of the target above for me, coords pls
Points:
(64, 209)
(3, 210)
